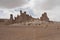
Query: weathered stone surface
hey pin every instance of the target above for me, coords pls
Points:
(23, 17)
(44, 17)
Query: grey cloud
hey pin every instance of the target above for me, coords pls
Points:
(12, 3)
(52, 3)
(47, 4)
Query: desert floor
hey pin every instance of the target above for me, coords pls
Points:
(50, 31)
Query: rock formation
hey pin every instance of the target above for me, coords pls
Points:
(44, 17)
(23, 17)
(11, 18)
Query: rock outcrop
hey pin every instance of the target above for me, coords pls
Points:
(44, 17)
(23, 17)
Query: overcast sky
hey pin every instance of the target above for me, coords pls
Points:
(33, 7)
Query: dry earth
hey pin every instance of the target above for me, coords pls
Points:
(50, 31)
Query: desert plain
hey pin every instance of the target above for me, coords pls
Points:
(43, 31)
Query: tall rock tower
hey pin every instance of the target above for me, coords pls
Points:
(44, 17)
(21, 12)
(11, 18)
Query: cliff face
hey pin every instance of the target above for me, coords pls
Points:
(44, 17)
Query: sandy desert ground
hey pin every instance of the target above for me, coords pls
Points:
(50, 31)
